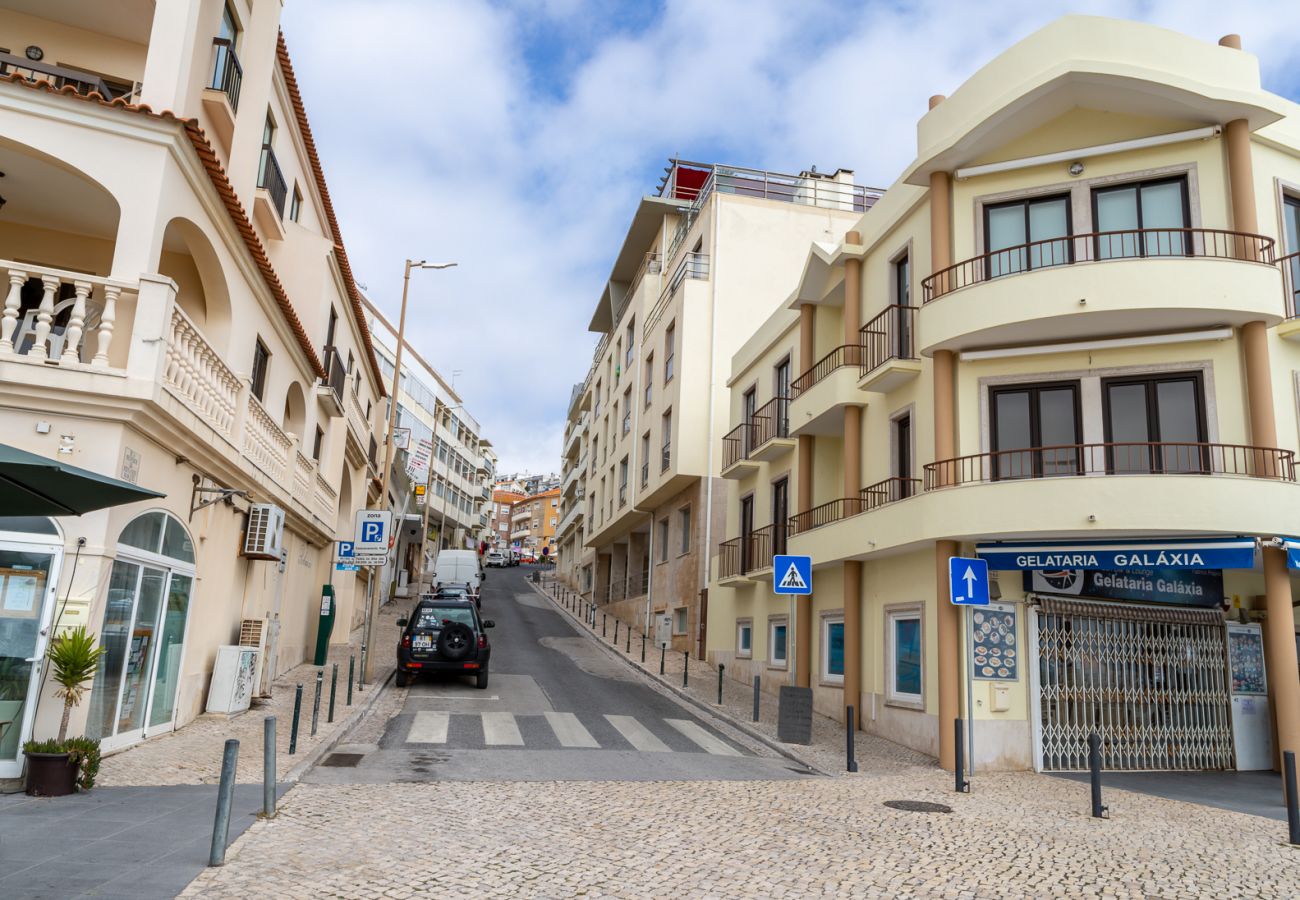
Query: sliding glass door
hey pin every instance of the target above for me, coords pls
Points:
(27, 576)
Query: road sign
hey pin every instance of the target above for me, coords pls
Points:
(792, 574)
(373, 529)
(344, 551)
(369, 559)
(968, 581)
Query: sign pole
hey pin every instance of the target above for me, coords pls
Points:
(970, 682)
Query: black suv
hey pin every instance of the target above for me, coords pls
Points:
(444, 636)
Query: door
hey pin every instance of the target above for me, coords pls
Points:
(781, 391)
(1027, 234)
(780, 514)
(749, 406)
(1035, 430)
(903, 450)
(132, 613)
(1148, 218)
(1155, 424)
(746, 533)
(28, 574)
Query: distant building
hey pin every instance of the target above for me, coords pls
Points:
(533, 521)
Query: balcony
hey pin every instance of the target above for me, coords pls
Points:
(736, 446)
(693, 265)
(1138, 281)
(889, 354)
(882, 493)
(749, 557)
(820, 395)
(763, 438)
(221, 95)
(61, 78)
(330, 389)
(268, 202)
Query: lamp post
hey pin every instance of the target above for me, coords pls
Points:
(372, 607)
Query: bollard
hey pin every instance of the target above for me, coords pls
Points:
(361, 672)
(851, 761)
(963, 786)
(643, 649)
(602, 624)
(617, 622)
(627, 646)
(225, 795)
(721, 668)
(1094, 773)
(315, 705)
(756, 687)
(661, 660)
(352, 662)
(686, 665)
(1292, 802)
(293, 731)
(268, 767)
(334, 684)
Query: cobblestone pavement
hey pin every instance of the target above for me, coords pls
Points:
(192, 754)
(1018, 835)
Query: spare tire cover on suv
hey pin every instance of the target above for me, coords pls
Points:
(456, 641)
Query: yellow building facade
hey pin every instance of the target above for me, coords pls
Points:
(1063, 341)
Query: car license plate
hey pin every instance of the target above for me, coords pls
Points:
(422, 642)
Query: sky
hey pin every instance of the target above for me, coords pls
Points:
(515, 138)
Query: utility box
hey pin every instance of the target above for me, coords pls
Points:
(232, 679)
(664, 631)
(794, 715)
(325, 626)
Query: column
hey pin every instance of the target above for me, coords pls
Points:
(803, 621)
(173, 46)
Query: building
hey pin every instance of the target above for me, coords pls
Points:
(1064, 340)
(500, 517)
(179, 312)
(697, 262)
(533, 521)
(449, 461)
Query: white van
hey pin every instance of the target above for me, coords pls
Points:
(457, 567)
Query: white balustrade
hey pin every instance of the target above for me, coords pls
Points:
(57, 327)
(326, 500)
(195, 374)
(302, 476)
(264, 441)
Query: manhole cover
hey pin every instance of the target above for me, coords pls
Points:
(918, 806)
(343, 760)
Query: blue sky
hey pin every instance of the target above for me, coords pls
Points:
(516, 136)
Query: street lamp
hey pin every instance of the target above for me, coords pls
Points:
(372, 607)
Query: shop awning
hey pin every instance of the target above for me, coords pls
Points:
(32, 485)
(1173, 553)
(1292, 547)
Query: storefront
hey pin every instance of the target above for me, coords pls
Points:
(1129, 641)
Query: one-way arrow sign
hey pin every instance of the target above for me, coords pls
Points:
(968, 581)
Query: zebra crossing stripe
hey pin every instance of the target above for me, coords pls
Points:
(636, 734)
(429, 728)
(569, 731)
(702, 738)
(500, 728)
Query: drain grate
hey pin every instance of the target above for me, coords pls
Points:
(918, 806)
(343, 760)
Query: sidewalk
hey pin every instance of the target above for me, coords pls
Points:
(192, 754)
(875, 755)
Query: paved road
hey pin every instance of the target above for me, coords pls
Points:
(559, 707)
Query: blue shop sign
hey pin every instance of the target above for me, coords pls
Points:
(1292, 547)
(1185, 587)
(1214, 553)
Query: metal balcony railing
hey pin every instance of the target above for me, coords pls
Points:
(336, 374)
(57, 76)
(889, 336)
(271, 178)
(841, 356)
(750, 552)
(882, 493)
(227, 73)
(693, 265)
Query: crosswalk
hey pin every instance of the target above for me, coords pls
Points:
(564, 731)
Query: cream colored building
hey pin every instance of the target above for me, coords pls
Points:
(692, 275)
(1064, 340)
(179, 312)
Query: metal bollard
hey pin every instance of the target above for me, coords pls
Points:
(851, 760)
(315, 705)
(617, 622)
(627, 646)
(963, 786)
(643, 649)
(1094, 775)
(686, 665)
(756, 688)
(352, 664)
(334, 684)
(1292, 802)
(268, 767)
(225, 796)
(661, 660)
(602, 624)
(293, 731)
(361, 672)
(721, 669)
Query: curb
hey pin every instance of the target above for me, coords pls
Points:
(293, 775)
(717, 712)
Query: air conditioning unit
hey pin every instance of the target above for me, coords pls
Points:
(265, 535)
(252, 633)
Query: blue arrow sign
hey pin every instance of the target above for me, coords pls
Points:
(968, 581)
(792, 574)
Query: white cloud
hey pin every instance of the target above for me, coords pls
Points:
(440, 141)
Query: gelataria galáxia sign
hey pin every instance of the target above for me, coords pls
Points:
(1186, 587)
(1224, 553)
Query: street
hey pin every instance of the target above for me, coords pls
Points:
(558, 707)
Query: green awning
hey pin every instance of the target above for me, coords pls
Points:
(32, 485)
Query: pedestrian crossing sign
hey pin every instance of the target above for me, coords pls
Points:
(792, 574)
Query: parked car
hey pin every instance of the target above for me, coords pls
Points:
(514, 557)
(463, 592)
(495, 560)
(444, 635)
(457, 567)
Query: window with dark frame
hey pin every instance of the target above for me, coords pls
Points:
(903, 457)
(261, 362)
(316, 443)
(684, 526)
(295, 204)
(780, 513)
(1291, 245)
(1143, 218)
(1034, 430)
(670, 350)
(1027, 234)
(1155, 423)
(746, 532)
(663, 540)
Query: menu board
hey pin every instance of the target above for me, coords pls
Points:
(993, 642)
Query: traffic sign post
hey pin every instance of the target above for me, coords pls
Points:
(968, 585)
(792, 575)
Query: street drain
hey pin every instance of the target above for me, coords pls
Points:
(918, 806)
(343, 760)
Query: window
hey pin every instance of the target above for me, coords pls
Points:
(1044, 419)
(663, 540)
(902, 457)
(316, 443)
(268, 141)
(746, 532)
(553, 521)
(833, 649)
(596, 410)
(627, 410)
(1027, 234)
(649, 379)
(645, 459)
(622, 481)
(261, 362)
(684, 524)
(781, 381)
(1148, 215)
(631, 345)
(1291, 239)
(744, 638)
(667, 432)
(777, 638)
(679, 620)
(780, 513)
(903, 281)
(904, 680)
(1141, 413)
(295, 204)
(670, 349)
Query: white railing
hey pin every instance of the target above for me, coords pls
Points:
(66, 318)
(264, 442)
(357, 416)
(326, 500)
(196, 376)
(302, 476)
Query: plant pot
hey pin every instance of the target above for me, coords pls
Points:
(51, 774)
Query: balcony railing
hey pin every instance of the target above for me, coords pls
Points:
(693, 265)
(57, 76)
(771, 420)
(645, 473)
(1100, 246)
(750, 552)
(841, 356)
(737, 443)
(882, 493)
(889, 336)
(57, 317)
(1136, 458)
(336, 373)
(227, 73)
(1290, 265)
(271, 178)
(666, 457)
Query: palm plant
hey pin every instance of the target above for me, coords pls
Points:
(74, 658)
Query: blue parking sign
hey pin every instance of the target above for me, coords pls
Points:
(792, 574)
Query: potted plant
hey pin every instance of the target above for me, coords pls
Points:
(59, 766)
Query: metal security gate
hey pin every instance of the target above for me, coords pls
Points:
(1151, 682)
